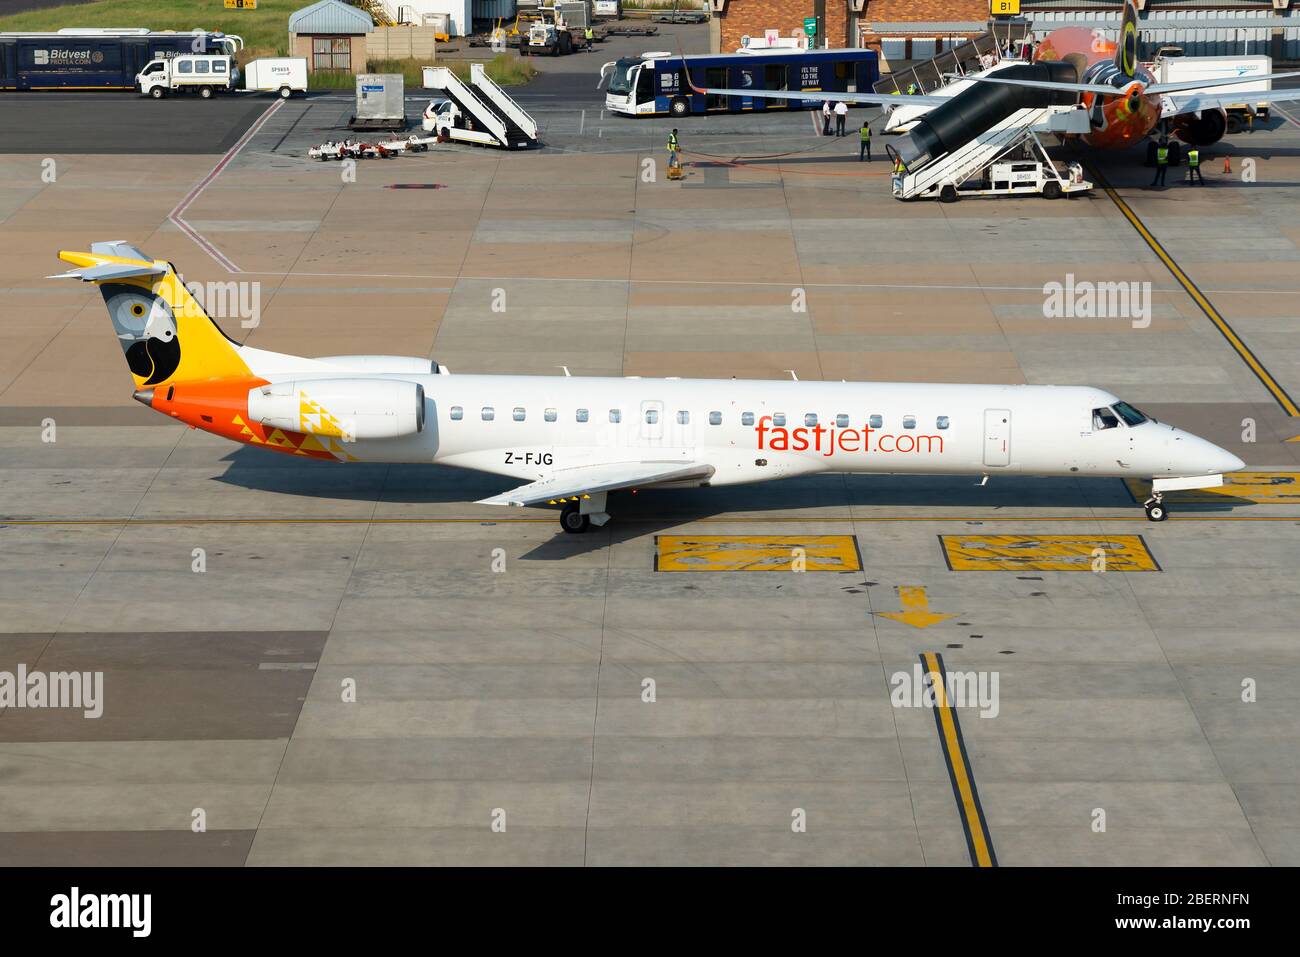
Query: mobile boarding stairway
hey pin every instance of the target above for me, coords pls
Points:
(485, 114)
(1006, 159)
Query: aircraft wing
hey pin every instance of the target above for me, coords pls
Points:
(1155, 89)
(869, 99)
(1195, 102)
(587, 479)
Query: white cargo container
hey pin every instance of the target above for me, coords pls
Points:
(283, 75)
(1180, 69)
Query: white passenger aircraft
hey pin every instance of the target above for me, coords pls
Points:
(572, 441)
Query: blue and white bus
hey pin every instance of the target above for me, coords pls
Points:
(96, 59)
(656, 83)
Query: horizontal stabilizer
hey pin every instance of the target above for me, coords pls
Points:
(119, 248)
(588, 479)
(110, 271)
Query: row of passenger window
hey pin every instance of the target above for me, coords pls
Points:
(488, 414)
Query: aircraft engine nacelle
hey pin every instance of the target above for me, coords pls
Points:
(1203, 130)
(392, 365)
(348, 409)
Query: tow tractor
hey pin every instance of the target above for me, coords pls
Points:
(551, 37)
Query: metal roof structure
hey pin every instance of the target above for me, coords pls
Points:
(330, 16)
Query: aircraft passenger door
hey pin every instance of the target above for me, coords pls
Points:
(651, 423)
(997, 437)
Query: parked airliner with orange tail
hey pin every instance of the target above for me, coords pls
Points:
(1071, 65)
(574, 440)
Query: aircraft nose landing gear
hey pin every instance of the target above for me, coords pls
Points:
(1156, 511)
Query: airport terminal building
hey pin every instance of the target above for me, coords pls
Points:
(920, 29)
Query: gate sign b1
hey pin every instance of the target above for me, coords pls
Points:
(810, 26)
(1004, 8)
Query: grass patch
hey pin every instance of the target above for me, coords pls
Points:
(265, 32)
(505, 69)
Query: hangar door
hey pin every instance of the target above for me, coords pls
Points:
(997, 437)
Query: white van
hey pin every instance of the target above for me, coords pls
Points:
(201, 73)
(283, 75)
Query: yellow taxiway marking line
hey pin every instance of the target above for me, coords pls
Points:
(1207, 307)
(684, 520)
(756, 553)
(1264, 488)
(1047, 553)
(916, 608)
(978, 840)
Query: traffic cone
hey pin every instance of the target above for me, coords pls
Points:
(1227, 164)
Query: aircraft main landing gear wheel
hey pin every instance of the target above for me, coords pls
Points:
(1156, 511)
(573, 521)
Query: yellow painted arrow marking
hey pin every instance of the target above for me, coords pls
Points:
(916, 608)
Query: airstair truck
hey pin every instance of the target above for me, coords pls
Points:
(479, 112)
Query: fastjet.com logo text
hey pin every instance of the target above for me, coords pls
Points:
(827, 440)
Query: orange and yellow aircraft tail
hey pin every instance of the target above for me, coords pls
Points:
(164, 332)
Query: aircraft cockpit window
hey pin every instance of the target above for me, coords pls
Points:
(1130, 415)
(457, 413)
(1103, 419)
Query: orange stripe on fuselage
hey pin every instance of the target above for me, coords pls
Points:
(220, 406)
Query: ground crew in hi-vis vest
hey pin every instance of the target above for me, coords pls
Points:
(899, 172)
(674, 150)
(865, 148)
(1162, 163)
(1194, 166)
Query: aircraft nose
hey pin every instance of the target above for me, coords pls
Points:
(1205, 457)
